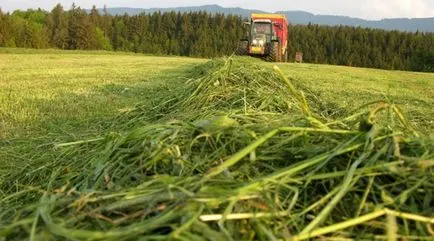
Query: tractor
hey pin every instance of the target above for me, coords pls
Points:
(266, 37)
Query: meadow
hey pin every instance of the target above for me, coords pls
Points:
(52, 99)
(50, 91)
(54, 96)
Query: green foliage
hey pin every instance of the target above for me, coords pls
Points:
(188, 34)
(4, 28)
(81, 30)
(102, 42)
(423, 61)
(372, 48)
(35, 16)
(10, 43)
(25, 33)
(57, 28)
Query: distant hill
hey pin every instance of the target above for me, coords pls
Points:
(301, 17)
(208, 8)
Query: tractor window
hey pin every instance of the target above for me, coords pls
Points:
(262, 28)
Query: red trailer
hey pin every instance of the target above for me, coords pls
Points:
(267, 37)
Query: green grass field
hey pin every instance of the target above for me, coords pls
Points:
(54, 92)
(49, 97)
(61, 93)
(349, 88)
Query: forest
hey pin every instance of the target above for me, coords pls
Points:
(200, 34)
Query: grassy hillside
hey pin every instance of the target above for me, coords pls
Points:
(186, 149)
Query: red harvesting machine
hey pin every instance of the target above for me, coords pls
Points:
(267, 37)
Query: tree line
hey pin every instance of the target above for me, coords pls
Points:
(188, 34)
(363, 47)
(201, 34)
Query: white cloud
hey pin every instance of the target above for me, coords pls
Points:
(397, 8)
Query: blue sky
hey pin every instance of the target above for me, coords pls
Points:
(368, 9)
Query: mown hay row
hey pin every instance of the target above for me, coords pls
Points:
(240, 154)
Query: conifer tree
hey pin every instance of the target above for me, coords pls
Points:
(57, 26)
(4, 29)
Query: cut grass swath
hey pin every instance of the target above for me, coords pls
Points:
(241, 153)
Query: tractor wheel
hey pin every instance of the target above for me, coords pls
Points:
(274, 53)
(243, 48)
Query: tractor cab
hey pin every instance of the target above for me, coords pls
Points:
(261, 32)
(266, 37)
